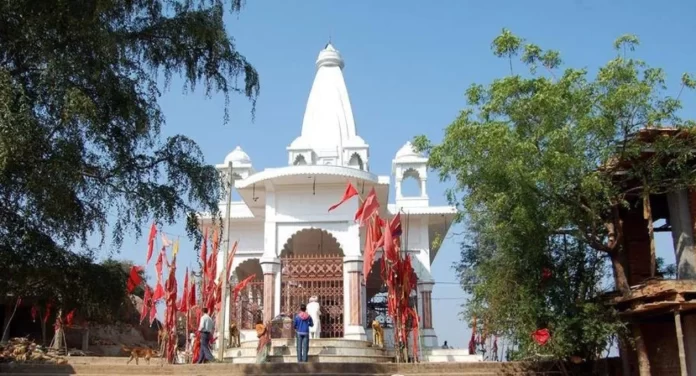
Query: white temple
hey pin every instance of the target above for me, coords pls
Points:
(297, 249)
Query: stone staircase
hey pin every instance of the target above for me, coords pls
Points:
(449, 355)
(322, 350)
(117, 366)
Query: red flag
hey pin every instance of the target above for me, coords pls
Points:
(151, 242)
(146, 301)
(34, 312)
(241, 285)
(204, 251)
(350, 192)
(183, 304)
(158, 264)
(48, 312)
(389, 248)
(212, 265)
(541, 336)
(545, 274)
(368, 207)
(369, 252)
(159, 292)
(153, 312)
(216, 239)
(134, 279)
(230, 257)
(69, 318)
(395, 225)
(192, 293)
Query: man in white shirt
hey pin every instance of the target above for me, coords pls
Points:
(205, 328)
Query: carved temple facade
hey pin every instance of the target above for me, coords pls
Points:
(297, 249)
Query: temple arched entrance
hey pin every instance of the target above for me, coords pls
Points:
(312, 265)
(248, 307)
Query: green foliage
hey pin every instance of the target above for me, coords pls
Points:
(536, 157)
(63, 278)
(79, 119)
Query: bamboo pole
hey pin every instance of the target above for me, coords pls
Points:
(223, 303)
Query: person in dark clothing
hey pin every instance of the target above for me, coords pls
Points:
(302, 323)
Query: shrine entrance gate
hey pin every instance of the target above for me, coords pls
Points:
(320, 274)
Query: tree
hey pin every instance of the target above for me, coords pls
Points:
(66, 280)
(536, 156)
(79, 119)
(550, 283)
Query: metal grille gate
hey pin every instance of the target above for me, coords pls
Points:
(305, 276)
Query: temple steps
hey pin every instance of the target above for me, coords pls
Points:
(322, 350)
(291, 369)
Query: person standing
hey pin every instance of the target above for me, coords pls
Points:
(302, 323)
(263, 333)
(205, 328)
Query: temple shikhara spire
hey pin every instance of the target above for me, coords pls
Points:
(318, 227)
(329, 135)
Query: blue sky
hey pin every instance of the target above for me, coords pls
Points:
(407, 66)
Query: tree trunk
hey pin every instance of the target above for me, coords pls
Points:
(620, 278)
(647, 215)
(624, 354)
(641, 351)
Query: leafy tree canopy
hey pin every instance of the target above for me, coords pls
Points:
(534, 161)
(64, 279)
(79, 119)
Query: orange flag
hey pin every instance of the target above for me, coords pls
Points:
(350, 192)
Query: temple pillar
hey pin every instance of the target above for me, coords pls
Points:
(353, 325)
(425, 308)
(271, 271)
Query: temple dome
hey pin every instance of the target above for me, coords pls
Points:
(238, 156)
(407, 152)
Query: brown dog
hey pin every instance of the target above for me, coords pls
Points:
(139, 352)
(234, 335)
(377, 334)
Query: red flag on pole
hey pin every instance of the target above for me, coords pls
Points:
(159, 292)
(241, 285)
(371, 236)
(368, 207)
(230, 257)
(134, 279)
(146, 301)
(350, 192)
(69, 318)
(153, 312)
(158, 264)
(204, 251)
(183, 304)
(192, 293)
(151, 242)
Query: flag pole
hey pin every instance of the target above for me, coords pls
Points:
(223, 303)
